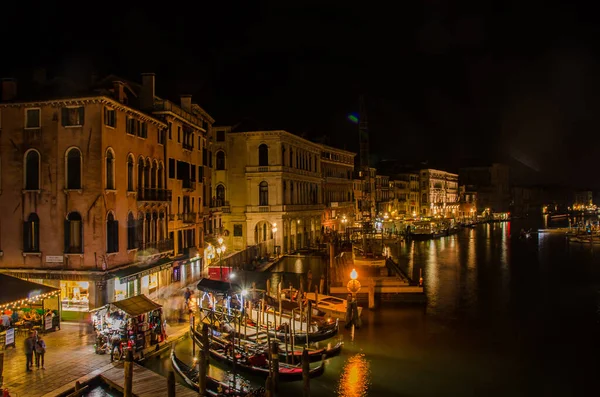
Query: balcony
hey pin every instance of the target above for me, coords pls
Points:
(150, 194)
(167, 106)
(188, 185)
(220, 205)
(158, 246)
(189, 217)
(286, 208)
(187, 146)
(254, 169)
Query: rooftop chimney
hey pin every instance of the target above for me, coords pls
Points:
(148, 91)
(186, 103)
(119, 88)
(9, 89)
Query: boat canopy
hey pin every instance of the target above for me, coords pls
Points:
(216, 286)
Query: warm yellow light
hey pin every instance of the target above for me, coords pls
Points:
(274, 225)
(353, 274)
(220, 240)
(219, 250)
(223, 248)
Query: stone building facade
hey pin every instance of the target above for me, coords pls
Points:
(337, 166)
(439, 193)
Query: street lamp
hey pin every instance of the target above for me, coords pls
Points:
(221, 250)
(275, 238)
(353, 285)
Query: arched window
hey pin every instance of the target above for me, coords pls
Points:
(112, 234)
(263, 155)
(32, 170)
(131, 232)
(147, 167)
(140, 231)
(220, 195)
(282, 154)
(161, 176)
(153, 171)
(220, 160)
(73, 234)
(263, 193)
(31, 234)
(140, 173)
(73, 167)
(110, 169)
(130, 171)
(291, 164)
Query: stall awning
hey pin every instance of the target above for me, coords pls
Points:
(137, 305)
(216, 286)
(14, 290)
(134, 272)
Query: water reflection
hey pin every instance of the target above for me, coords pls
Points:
(354, 380)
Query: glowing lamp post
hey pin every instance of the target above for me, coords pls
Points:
(353, 285)
(274, 230)
(220, 251)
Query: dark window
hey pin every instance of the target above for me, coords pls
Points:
(220, 191)
(200, 173)
(263, 155)
(171, 168)
(131, 232)
(32, 118)
(112, 234)
(110, 117)
(130, 171)
(72, 117)
(32, 170)
(210, 160)
(204, 157)
(263, 194)
(220, 136)
(110, 170)
(31, 234)
(73, 233)
(237, 230)
(220, 157)
(74, 169)
(170, 130)
(142, 130)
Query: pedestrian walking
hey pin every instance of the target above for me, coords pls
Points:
(40, 351)
(187, 295)
(116, 345)
(29, 347)
(35, 339)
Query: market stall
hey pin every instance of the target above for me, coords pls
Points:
(137, 320)
(26, 306)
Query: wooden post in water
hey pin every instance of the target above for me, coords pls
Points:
(279, 299)
(205, 345)
(301, 311)
(171, 384)
(269, 387)
(202, 371)
(305, 374)
(322, 285)
(275, 364)
(193, 340)
(286, 335)
(308, 319)
(309, 281)
(128, 382)
(316, 295)
(293, 331)
(372, 294)
(268, 286)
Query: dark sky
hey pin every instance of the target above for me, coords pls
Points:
(444, 81)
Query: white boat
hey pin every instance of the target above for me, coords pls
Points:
(330, 305)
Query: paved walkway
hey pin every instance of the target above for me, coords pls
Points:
(69, 357)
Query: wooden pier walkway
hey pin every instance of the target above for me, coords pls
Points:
(145, 382)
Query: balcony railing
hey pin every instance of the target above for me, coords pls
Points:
(286, 207)
(167, 106)
(281, 168)
(187, 146)
(158, 246)
(150, 194)
(189, 217)
(188, 185)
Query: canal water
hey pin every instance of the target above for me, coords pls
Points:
(504, 317)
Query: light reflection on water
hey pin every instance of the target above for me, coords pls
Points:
(355, 377)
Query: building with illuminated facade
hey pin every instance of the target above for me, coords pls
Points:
(96, 191)
(337, 167)
(267, 180)
(439, 193)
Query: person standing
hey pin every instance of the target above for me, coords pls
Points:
(35, 339)
(40, 351)
(29, 347)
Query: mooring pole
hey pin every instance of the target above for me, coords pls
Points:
(128, 382)
(205, 346)
(171, 384)
(305, 374)
(203, 363)
(275, 364)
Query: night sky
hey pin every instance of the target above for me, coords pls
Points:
(514, 81)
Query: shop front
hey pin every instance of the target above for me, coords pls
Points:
(138, 321)
(142, 278)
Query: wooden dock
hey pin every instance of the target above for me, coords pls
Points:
(145, 382)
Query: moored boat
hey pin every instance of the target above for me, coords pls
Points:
(330, 305)
(255, 363)
(214, 387)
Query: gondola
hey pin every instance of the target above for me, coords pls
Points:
(190, 376)
(324, 332)
(255, 363)
(314, 354)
